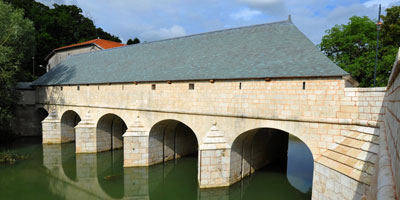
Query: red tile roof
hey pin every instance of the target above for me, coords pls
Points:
(105, 44)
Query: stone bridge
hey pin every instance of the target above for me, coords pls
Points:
(232, 97)
(235, 131)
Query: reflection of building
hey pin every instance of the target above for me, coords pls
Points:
(101, 176)
(60, 54)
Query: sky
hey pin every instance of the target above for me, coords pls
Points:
(152, 20)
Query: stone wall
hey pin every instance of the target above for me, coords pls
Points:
(282, 99)
(28, 116)
(58, 57)
(387, 178)
(353, 155)
(324, 102)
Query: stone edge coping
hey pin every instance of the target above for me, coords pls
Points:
(373, 89)
(385, 185)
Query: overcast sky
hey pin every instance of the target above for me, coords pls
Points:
(152, 20)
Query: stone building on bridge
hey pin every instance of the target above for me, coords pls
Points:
(231, 96)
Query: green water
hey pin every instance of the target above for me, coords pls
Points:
(56, 172)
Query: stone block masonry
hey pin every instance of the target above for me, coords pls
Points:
(333, 121)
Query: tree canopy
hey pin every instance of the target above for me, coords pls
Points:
(134, 41)
(56, 27)
(352, 46)
(17, 43)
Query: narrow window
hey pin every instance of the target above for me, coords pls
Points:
(122, 87)
(304, 85)
(78, 88)
(240, 86)
(191, 86)
(98, 87)
(153, 86)
(61, 88)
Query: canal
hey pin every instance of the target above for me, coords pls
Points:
(56, 172)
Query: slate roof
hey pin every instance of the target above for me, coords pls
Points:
(273, 50)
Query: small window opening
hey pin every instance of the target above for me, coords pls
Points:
(304, 85)
(122, 87)
(61, 88)
(191, 86)
(153, 86)
(240, 86)
(78, 88)
(98, 87)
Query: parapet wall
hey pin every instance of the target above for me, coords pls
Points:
(387, 178)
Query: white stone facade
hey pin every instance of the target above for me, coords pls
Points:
(325, 116)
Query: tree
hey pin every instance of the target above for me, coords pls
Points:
(104, 35)
(352, 47)
(134, 41)
(391, 27)
(56, 27)
(17, 39)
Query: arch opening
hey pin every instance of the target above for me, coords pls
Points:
(272, 150)
(109, 131)
(68, 122)
(255, 149)
(169, 140)
(39, 116)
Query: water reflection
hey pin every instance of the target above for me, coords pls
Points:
(102, 176)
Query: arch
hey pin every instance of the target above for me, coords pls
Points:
(252, 149)
(171, 139)
(109, 131)
(256, 148)
(69, 120)
(39, 115)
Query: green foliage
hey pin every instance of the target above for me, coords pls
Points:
(56, 27)
(391, 27)
(134, 41)
(352, 47)
(16, 47)
(10, 157)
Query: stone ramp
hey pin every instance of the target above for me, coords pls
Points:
(353, 154)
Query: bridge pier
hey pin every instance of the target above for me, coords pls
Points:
(86, 135)
(51, 129)
(214, 157)
(136, 145)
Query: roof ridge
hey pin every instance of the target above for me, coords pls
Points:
(192, 35)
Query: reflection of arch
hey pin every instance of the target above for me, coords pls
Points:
(110, 173)
(68, 122)
(109, 131)
(299, 168)
(255, 149)
(68, 158)
(40, 115)
(171, 139)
